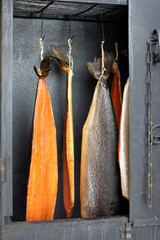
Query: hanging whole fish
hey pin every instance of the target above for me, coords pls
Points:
(43, 176)
(123, 148)
(116, 93)
(99, 178)
(68, 137)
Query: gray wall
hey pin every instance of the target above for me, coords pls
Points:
(26, 53)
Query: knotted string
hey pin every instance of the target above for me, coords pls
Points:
(41, 38)
(41, 47)
(69, 55)
(103, 69)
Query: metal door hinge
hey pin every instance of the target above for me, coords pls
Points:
(2, 170)
(127, 233)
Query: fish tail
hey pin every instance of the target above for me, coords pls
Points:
(58, 55)
(95, 66)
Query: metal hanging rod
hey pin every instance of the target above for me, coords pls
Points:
(84, 11)
(108, 12)
(74, 15)
(66, 18)
(42, 9)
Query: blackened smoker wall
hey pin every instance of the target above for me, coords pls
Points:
(87, 37)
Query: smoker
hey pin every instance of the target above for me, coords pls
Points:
(134, 25)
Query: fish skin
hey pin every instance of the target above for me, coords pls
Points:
(43, 177)
(100, 191)
(123, 147)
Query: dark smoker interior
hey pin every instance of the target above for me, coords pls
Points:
(86, 31)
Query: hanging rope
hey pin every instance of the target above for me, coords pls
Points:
(116, 50)
(102, 58)
(41, 47)
(69, 55)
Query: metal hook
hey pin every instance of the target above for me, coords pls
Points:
(42, 9)
(70, 28)
(42, 36)
(103, 38)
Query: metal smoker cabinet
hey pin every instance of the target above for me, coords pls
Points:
(142, 222)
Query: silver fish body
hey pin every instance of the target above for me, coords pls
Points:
(100, 178)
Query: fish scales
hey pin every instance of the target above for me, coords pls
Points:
(100, 178)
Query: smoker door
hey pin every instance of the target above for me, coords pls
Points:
(144, 17)
(6, 21)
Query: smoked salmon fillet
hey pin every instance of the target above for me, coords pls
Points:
(99, 177)
(116, 93)
(43, 176)
(68, 138)
(123, 147)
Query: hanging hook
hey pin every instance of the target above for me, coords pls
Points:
(70, 47)
(70, 28)
(103, 38)
(41, 38)
(102, 49)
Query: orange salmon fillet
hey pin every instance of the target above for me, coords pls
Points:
(68, 150)
(43, 177)
(116, 96)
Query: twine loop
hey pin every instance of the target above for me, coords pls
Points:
(69, 54)
(103, 69)
(41, 47)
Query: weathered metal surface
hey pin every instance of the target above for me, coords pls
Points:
(67, 230)
(146, 222)
(6, 104)
(147, 233)
(77, 10)
(143, 19)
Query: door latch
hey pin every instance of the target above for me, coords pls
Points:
(127, 233)
(156, 41)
